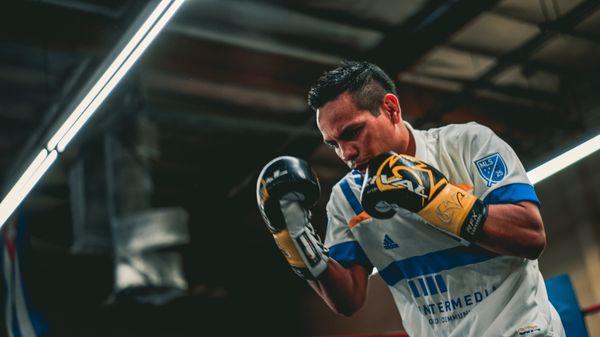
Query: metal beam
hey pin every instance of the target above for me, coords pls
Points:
(527, 64)
(245, 42)
(405, 44)
(254, 98)
(102, 10)
(551, 26)
(222, 124)
(568, 21)
(523, 93)
(47, 117)
(331, 15)
(514, 91)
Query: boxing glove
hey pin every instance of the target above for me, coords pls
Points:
(399, 181)
(286, 189)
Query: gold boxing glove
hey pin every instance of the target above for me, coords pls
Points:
(400, 181)
(286, 189)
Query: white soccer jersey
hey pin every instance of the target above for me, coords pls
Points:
(441, 287)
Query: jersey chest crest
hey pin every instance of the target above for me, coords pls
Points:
(492, 168)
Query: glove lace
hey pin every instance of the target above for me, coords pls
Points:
(312, 232)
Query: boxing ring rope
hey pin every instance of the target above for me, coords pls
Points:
(384, 334)
(593, 309)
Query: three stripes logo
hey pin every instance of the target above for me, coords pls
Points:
(427, 285)
(388, 243)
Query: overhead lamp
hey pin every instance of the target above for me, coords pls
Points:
(115, 72)
(562, 161)
(117, 69)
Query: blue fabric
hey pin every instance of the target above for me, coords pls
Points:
(16, 329)
(358, 177)
(423, 287)
(511, 194)
(414, 289)
(349, 253)
(13, 325)
(562, 297)
(350, 197)
(431, 285)
(440, 283)
(434, 262)
(39, 324)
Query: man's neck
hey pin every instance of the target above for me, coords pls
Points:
(407, 142)
(411, 148)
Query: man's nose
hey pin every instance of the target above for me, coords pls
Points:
(348, 152)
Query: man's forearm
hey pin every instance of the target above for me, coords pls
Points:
(514, 229)
(343, 289)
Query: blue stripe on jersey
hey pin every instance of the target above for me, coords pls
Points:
(431, 285)
(358, 177)
(434, 262)
(423, 287)
(414, 289)
(350, 197)
(440, 283)
(511, 194)
(349, 253)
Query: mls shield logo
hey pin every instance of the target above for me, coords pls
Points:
(492, 168)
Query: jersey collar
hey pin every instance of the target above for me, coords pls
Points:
(420, 150)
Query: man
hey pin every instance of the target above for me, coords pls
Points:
(447, 216)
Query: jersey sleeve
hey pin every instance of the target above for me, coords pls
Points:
(338, 238)
(497, 173)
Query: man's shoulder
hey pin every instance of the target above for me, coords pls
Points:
(469, 129)
(459, 134)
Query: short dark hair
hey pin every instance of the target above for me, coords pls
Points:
(364, 81)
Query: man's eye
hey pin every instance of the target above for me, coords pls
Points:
(352, 133)
(331, 145)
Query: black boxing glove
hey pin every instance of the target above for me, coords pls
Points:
(286, 189)
(400, 181)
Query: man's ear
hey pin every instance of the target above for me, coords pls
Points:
(391, 106)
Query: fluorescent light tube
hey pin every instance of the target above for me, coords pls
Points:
(10, 196)
(12, 201)
(107, 74)
(562, 161)
(129, 62)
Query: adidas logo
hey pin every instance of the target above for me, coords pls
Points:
(388, 243)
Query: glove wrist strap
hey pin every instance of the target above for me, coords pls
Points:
(299, 243)
(303, 251)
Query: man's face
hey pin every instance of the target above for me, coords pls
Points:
(355, 135)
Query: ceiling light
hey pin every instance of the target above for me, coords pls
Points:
(20, 191)
(568, 158)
